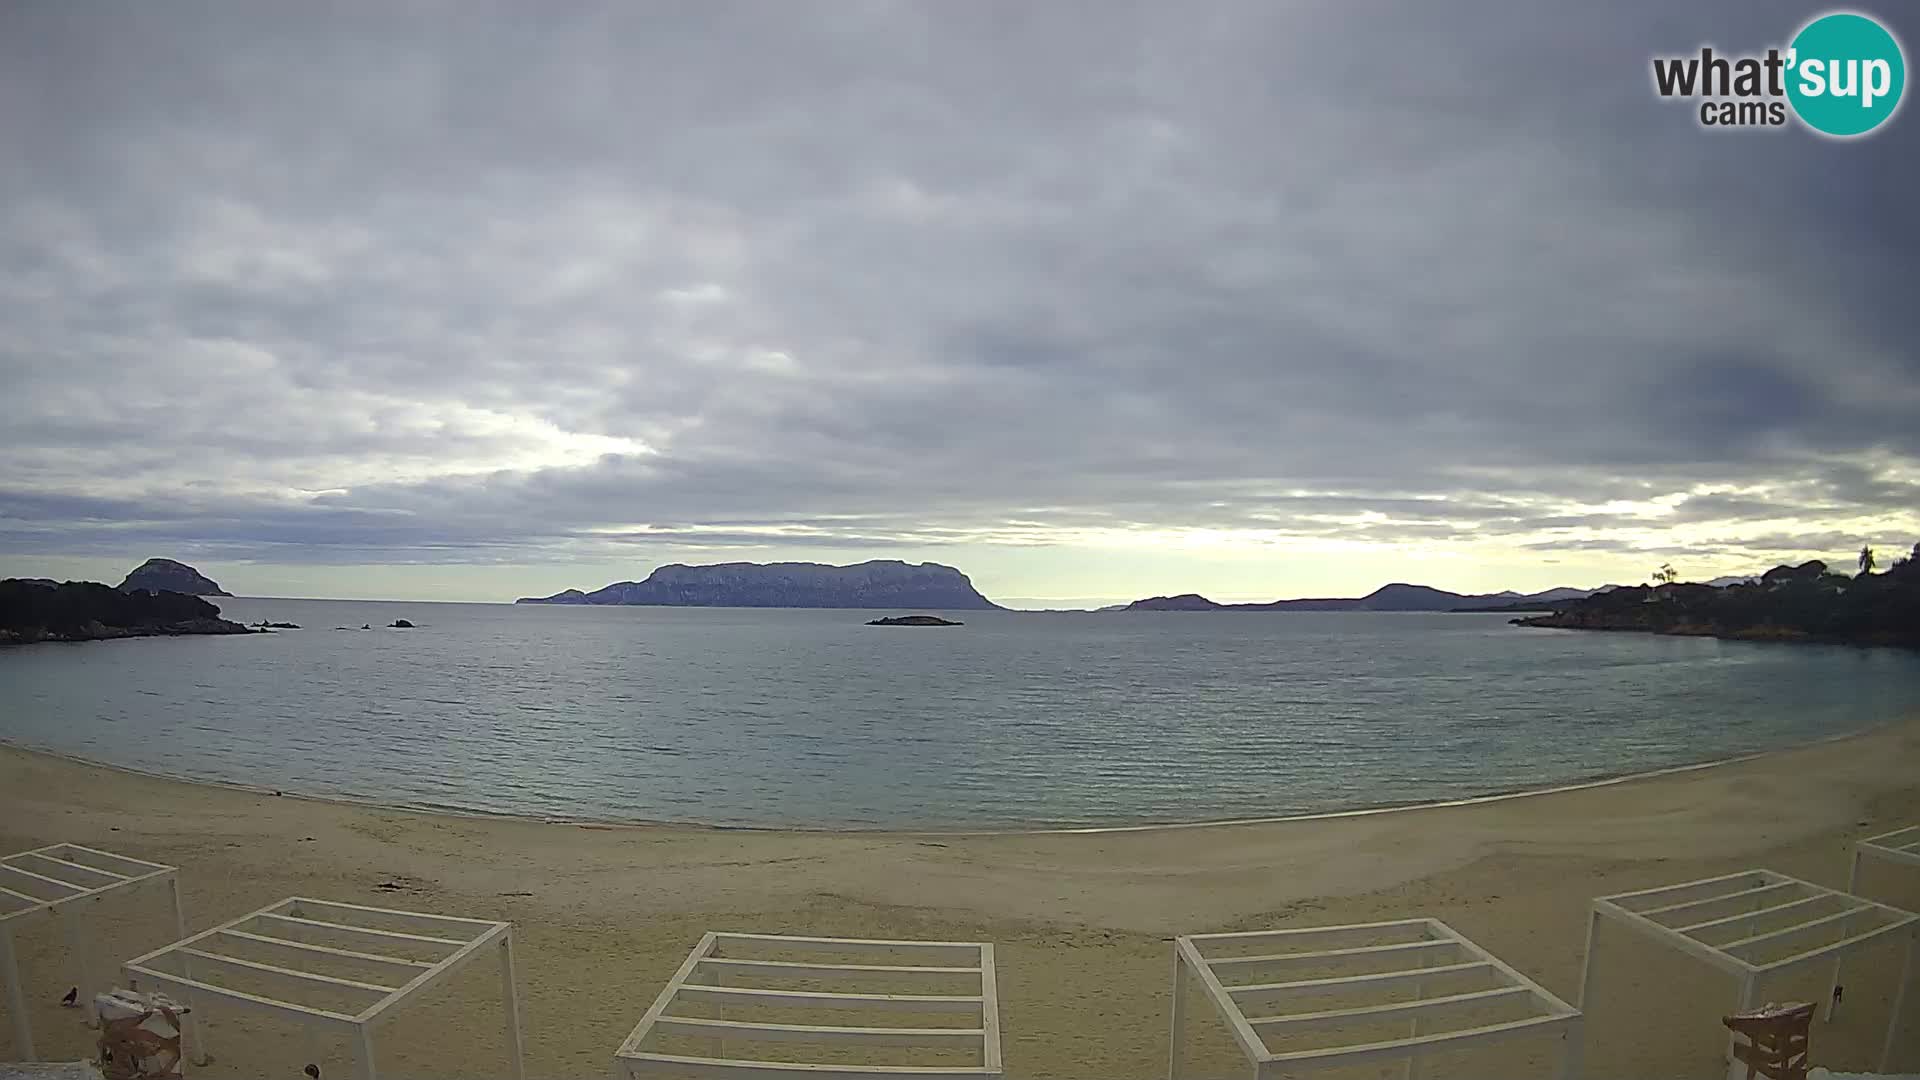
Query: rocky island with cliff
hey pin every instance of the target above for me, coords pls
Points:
(881, 583)
(166, 575)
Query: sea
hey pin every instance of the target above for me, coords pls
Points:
(812, 719)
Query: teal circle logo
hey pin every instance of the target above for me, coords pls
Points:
(1845, 74)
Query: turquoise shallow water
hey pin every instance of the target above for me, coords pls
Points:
(809, 718)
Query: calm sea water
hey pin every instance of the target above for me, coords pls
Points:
(757, 717)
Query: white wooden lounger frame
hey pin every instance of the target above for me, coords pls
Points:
(1442, 948)
(65, 881)
(699, 977)
(358, 932)
(1900, 847)
(1696, 907)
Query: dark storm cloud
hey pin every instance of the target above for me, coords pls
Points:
(473, 283)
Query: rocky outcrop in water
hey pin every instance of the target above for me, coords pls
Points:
(883, 583)
(90, 611)
(166, 575)
(913, 620)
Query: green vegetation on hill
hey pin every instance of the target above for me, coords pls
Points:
(1788, 603)
(34, 610)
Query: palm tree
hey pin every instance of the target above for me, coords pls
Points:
(1866, 559)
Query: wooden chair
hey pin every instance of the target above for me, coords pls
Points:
(1775, 1044)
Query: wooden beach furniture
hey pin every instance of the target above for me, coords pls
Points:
(1756, 926)
(67, 883)
(834, 1008)
(1333, 996)
(1772, 1041)
(1900, 847)
(331, 967)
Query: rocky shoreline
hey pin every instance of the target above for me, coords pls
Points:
(1762, 632)
(96, 631)
(1802, 603)
(34, 611)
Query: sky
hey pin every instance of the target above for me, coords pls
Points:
(1093, 301)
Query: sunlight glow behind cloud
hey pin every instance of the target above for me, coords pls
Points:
(1089, 301)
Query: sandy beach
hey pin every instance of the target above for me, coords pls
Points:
(1083, 922)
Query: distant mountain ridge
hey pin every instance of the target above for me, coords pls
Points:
(881, 583)
(1398, 596)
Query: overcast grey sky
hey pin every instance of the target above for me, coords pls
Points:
(1093, 301)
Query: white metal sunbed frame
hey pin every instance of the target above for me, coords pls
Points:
(710, 961)
(364, 936)
(1429, 941)
(1696, 917)
(65, 881)
(1901, 847)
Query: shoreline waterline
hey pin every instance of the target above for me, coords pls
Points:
(605, 914)
(1490, 798)
(788, 719)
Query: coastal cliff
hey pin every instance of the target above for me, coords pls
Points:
(166, 575)
(882, 583)
(31, 611)
(1789, 603)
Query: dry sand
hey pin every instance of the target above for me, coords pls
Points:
(1082, 921)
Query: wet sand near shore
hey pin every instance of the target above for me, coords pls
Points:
(1083, 922)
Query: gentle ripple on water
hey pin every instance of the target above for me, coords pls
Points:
(757, 717)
